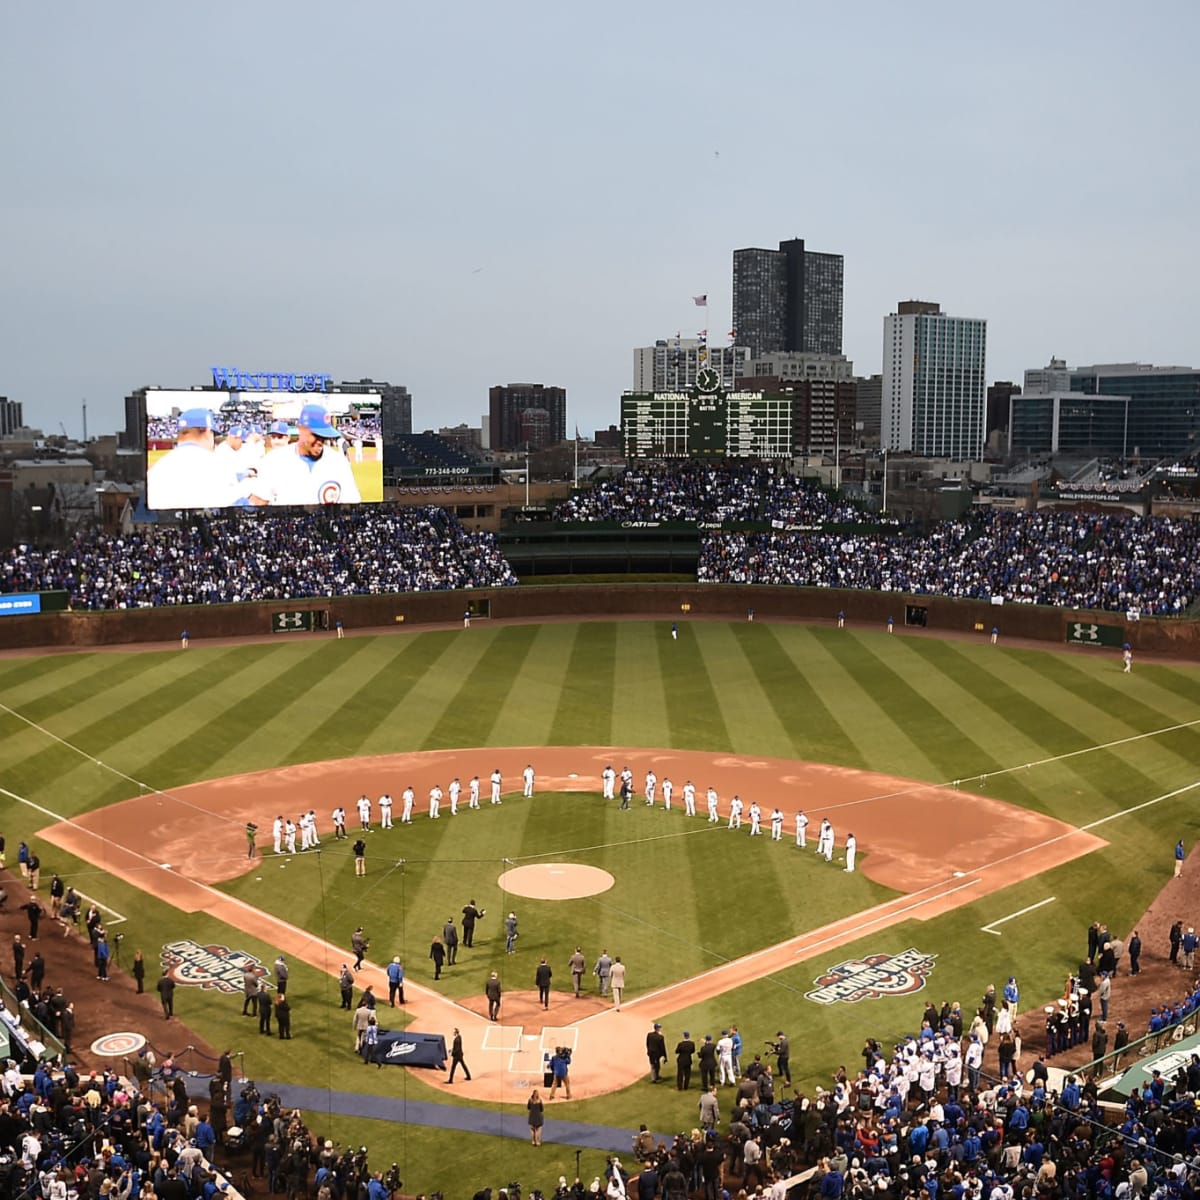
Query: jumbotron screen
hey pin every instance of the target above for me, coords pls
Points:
(730, 425)
(214, 449)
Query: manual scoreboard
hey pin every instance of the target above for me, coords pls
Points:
(726, 425)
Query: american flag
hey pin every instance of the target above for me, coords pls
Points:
(700, 301)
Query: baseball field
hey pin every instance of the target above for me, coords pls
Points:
(1002, 799)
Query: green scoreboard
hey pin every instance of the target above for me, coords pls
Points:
(692, 425)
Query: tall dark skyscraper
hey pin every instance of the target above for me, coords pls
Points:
(527, 414)
(788, 299)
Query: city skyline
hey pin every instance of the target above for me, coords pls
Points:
(376, 210)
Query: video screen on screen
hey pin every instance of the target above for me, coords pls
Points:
(212, 449)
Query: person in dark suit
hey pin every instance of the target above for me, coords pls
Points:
(656, 1051)
(685, 1051)
(542, 978)
(438, 953)
(166, 993)
(456, 1057)
(264, 1010)
(283, 1016)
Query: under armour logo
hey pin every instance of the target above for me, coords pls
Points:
(1086, 633)
(293, 620)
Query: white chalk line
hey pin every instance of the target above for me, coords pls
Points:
(990, 927)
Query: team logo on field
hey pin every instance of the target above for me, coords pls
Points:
(873, 977)
(330, 493)
(208, 967)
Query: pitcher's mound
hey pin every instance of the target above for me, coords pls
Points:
(556, 881)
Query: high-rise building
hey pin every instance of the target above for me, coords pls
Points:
(670, 365)
(868, 408)
(933, 382)
(797, 364)
(526, 414)
(788, 299)
(999, 397)
(1045, 381)
(1164, 404)
(10, 416)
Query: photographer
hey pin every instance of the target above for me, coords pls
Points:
(360, 945)
(560, 1068)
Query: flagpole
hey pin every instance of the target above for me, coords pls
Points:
(577, 458)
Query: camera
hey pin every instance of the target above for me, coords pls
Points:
(119, 938)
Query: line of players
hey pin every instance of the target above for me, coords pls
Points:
(284, 830)
(737, 806)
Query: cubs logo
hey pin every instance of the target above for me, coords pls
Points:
(873, 977)
(329, 493)
(208, 967)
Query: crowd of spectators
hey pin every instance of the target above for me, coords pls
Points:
(225, 559)
(710, 492)
(1118, 562)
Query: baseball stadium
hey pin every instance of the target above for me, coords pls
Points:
(1015, 766)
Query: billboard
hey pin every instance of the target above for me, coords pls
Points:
(209, 448)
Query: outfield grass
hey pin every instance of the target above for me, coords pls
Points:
(910, 706)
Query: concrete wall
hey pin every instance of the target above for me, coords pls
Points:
(654, 601)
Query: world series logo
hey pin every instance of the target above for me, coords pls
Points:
(873, 977)
(209, 967)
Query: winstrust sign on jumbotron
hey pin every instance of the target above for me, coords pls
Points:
(236, 380)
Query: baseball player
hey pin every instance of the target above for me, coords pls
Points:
(305, 836)
(825, 839)
(339, 823)
(527, 776)
(191, 475)
(385, 811)
(1127, 658)
(711, 797)
(777, 825)
(406, 799)
(309, 471)
(277, 833)
(651, 785)
(289, 835)
(435, 802)
(455, 790)
(802, 829)
(689, 798)
(736, 805)
(725, 1059)
(312, 827)
(364, 812)
(755, 819)
(668, 788)
(497, 780)
(608, 779)
(851, 851)
(473, 792)
(627, 778)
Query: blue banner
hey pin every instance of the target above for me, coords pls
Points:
(19, 603)
(407, 1049)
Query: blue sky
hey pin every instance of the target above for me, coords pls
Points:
(452, 196)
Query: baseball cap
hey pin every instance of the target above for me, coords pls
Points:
(279, 427)
(316, 418)
(196, 418)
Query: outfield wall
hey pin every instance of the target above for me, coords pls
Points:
(653, 601)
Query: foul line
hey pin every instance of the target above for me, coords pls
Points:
(1011, 916)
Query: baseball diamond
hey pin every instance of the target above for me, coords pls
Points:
(977, 780)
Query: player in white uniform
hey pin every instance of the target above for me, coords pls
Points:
(802, 829)
(455, 791)
(339, 823)
(312, 827)
(473, 792)
(668, 788)
(311, 471)
(191, 475)
(825, 840)
(651, 785)
(407, 796)
(627, 778)
(851, 851)
(305, 836)
(364, 812)
(435, 801)
(608, 778)
(777, 825)
(497, 780)
(289, 835)
(755, 819)
(689, 798)
(735, 813)
(711, 798)
(277, 833)
(527, 776)
(385, 811)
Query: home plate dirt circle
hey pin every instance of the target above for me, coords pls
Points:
(555, 881)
